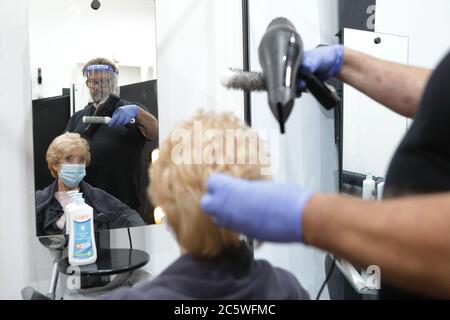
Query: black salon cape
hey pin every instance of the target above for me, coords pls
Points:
(421, 164)
(109, 212)
(118, 158)
(233, 275)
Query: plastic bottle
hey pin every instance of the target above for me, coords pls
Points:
(369, 187)
(82, 248)
(380, 191)
(39, 91)
(74, 195)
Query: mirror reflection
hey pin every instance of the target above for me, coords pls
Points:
(95, 113)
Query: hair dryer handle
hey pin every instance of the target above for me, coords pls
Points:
(329, 99)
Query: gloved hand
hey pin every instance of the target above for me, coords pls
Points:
(263, 210)
(123, 116)
(324, 62)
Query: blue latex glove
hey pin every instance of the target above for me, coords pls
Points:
(263, 210)
(324, 62)
(123, 116)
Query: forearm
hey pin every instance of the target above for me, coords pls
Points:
(148, 124)
(398, 87)
(407, 239)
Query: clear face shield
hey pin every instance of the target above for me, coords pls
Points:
(101, 81)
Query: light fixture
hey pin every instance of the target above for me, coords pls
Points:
(155, 155)
(159, 215)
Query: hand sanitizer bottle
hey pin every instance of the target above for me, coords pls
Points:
(82, 248)
(369, 187)
(73, 195)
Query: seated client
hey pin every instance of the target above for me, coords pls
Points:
(215, 263)
(67, 158)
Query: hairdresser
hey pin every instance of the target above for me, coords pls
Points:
(408, 235)
(119, 161)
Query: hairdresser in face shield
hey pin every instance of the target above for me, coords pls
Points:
(408, 235)
(67, 157)
(119, 160)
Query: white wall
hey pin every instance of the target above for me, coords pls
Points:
(19, 251)
(307, 153)
(197, 40)
(425, 23)
(65, 34)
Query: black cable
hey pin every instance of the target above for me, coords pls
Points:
(327, 279)
(129, 238)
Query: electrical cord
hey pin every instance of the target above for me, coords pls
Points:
(129, 238)
(327, 279)
(340, 157)
(131, 247)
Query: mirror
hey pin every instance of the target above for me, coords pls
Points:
(365, 149)
(93, 59)
(368, 150)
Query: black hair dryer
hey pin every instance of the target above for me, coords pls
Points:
(280, 54)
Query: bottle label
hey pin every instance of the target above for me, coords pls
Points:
(82, 248)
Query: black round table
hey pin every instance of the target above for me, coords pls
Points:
(109, 262)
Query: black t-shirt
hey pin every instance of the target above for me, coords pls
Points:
(421, 164)
(118, 158)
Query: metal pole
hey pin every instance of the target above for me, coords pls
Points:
(246, 57)
(246, 67)
(55, 276)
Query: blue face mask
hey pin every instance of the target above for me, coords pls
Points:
(72, 174)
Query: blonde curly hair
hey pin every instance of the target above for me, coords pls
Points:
(177, 188)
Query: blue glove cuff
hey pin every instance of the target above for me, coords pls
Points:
(337, 67)
(301, 204)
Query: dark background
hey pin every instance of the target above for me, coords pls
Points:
(353, 14)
